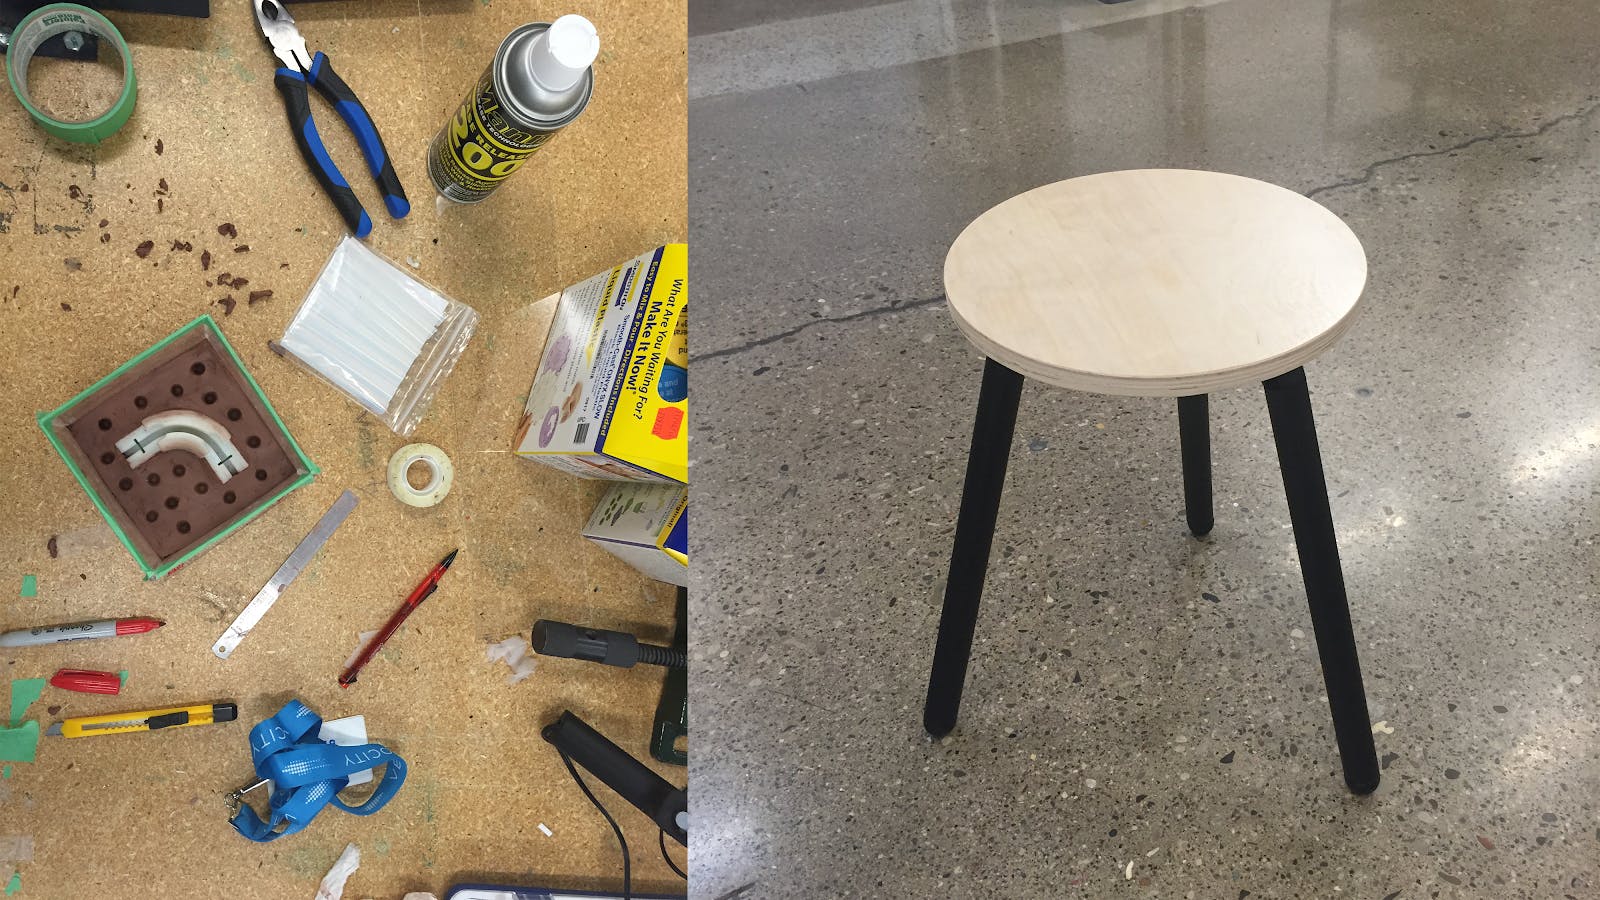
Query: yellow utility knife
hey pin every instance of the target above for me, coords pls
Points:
(144, 720)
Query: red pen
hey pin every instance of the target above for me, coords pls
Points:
(423, 592)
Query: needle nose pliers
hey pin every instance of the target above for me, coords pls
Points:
(299, 69)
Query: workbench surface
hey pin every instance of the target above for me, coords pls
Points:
(142, 815)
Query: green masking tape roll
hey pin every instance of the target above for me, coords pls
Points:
(59, 18)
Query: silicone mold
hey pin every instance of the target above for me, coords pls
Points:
(157, 483)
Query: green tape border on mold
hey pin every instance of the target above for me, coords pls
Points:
(47, 421)
(59, 18)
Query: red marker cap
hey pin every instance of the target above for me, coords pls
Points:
(86, 682)
(137, 626)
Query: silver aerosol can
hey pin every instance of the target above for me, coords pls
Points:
(540, 80)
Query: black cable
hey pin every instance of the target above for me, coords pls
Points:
(627, 866)
(670, 864)
(666, 657)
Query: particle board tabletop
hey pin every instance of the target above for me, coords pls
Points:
(143, 815)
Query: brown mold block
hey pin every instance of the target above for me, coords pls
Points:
(174, 501)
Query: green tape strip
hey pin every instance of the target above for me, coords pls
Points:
(24, 693)
(59, 18)
(21, 743)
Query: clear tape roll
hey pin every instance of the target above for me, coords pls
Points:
(440, 475)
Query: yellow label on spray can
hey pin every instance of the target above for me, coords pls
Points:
(479, 147)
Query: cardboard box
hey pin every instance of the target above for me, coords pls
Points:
(647, 526)
(610, 399)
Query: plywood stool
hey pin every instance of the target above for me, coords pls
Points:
(1158, 283)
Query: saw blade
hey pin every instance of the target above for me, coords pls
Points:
(107, 726)
(286, 573)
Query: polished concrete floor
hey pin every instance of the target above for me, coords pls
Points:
(1145, 714)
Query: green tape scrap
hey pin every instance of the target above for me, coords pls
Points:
(24, 692)
(19, 744)
(15, 884)
(62, 18)
(30, 585)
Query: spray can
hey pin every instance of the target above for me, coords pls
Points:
(539, 81)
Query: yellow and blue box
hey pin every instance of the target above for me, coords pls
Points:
(611, 397)
(646, 526)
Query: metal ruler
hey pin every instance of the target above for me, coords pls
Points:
(286, 573)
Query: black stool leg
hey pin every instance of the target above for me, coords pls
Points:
(1289, 404)
(1194, 435)
(969, 562)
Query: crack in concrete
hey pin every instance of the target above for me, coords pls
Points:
(1367, 174)
(791, 332)
(1371, 171)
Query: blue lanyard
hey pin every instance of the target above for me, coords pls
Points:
(308, 774)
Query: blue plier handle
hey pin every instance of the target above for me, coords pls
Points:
(298, 70)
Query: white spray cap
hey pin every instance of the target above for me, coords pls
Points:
(561, 55)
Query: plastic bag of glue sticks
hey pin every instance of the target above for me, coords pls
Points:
(384, 338)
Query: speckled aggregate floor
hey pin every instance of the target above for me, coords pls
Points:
(1144, 715)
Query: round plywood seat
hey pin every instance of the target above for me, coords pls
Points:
(1155, 282)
